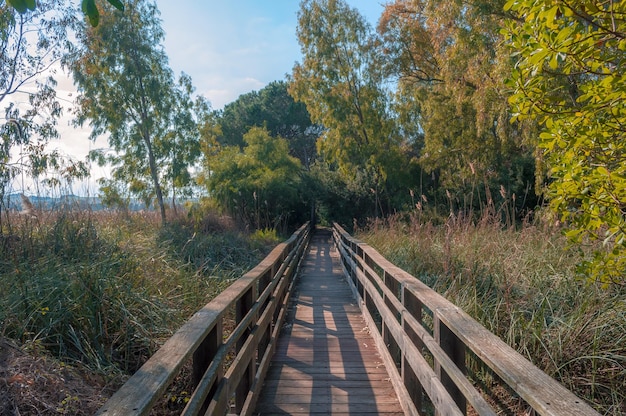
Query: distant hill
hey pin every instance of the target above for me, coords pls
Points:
(14, 202)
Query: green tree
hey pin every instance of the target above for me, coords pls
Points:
(88, 6)
(259, 185)
(126, 89)
(340, 82)
(181, 145)
(271, 107)
(451, 65)
(31, 45)
(570, 78)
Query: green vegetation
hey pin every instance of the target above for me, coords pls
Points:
(454, 124)
(259, 185)
(105, 290)
(88, 7)
(343, 90)
(570, 78)
(521, 284)
(127, 91)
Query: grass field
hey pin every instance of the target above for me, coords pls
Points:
(86, 297)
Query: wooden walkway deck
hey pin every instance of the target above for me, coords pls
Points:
(326, 361)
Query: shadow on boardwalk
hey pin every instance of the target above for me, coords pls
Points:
(325, 361)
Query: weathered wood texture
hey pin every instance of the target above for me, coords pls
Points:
(223, 382)
(326, 362)
(425, 341)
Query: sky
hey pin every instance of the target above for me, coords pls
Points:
(233, 47)
(228, 48)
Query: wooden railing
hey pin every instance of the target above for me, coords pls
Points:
(439, 357)
(227, 371)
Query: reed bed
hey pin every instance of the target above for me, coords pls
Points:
(101, 291)
(522, 284)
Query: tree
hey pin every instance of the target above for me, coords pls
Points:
(88, 7)
(126, 89)
(31, 46)
(181, 145)
(271, 107)
(570, 78)
(340, 82)
(259, 184)
(451, 65)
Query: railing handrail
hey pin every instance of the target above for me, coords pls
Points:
(260, 299)
(399, 301)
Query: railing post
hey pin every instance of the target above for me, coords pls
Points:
(411, 382)
(392, 346)
(264, 282)
(455, 349)
(202, 358)
(243, 306)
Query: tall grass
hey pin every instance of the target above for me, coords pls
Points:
(106, 290)
(521, 284)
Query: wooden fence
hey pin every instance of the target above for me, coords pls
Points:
(437, 355)
(227, 369)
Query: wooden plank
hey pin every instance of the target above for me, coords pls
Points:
(272, 385)
(354, 408)
(419, 366)
(282, 295)
(326, 361)
(432, 386)
(147, 385)
(383, 390)
(317, 396)
(542, 392)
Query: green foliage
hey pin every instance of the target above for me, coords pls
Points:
(273, 108)
(93, 14)
(451, 65)
(570, 79)
(340, 82)
(88, 6)
(259, 185)
(22, 5)
(106, 290)
(128, 91)
(266, 236)
(30, 44)
(181, 144)
(338, 198)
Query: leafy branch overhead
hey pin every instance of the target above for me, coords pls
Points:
(88, 6)
(90, 9)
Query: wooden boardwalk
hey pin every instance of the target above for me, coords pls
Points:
(326, 361)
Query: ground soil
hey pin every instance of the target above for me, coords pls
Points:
(34, 383)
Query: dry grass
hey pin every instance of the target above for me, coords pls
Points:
(34, 383)
(522, 284)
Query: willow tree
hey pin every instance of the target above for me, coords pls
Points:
(125, 90)
(340, 82)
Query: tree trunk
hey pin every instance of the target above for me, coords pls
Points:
(174, 199)
(155, 180)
